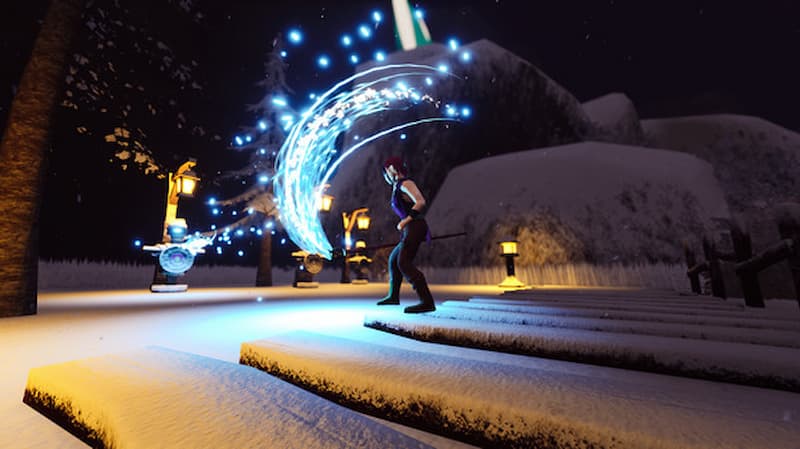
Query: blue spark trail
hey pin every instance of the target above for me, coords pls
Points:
(308, 158)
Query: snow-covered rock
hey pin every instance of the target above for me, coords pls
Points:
(591, 201)
(514, 107)
(615, 119)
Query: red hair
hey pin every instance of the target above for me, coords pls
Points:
(397, 163)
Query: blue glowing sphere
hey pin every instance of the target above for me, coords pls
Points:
(380, 56)
(347, 40)
(453, 44)
(377, 16)
(364, 31)
(295, 36)
(323, 61)
(354, 58)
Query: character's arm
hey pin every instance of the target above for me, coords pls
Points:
(410, 188)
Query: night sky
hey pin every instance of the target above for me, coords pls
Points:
(670, 57)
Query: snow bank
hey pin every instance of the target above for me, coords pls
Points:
(591, 201)
(723, 361)
(494, 404)
(156, 397)
(615, 119)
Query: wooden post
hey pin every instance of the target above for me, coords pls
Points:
(693, 274)
(714, 269)
(788, 218)
(743, 248)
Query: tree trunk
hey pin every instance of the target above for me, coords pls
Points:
(22, 156)
(264, 274)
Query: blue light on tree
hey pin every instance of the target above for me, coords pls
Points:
(295, 36)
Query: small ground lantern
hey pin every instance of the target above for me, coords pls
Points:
(508, 249)
(360, 263)
(357, 218)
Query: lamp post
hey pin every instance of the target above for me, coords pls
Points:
(357, 218)
(509, 252)
(180, 184)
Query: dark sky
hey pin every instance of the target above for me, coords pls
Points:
(670, 57)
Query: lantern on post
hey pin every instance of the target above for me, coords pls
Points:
(357, 218)
(508, 249)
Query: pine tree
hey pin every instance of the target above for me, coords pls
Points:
(273, 118)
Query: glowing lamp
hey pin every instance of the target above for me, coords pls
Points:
(360, 244)
(185, 183)
(362, 222)
(509, 248)
(326, 203)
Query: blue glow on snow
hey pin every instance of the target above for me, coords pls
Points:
(307, 161)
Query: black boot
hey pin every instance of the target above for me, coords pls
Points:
(393, 298)
(426, 299)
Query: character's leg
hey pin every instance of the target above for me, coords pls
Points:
(395, 278)
(416, 234)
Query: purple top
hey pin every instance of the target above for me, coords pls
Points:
(400, 205)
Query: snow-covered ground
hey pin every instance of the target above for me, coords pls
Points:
(322, 330)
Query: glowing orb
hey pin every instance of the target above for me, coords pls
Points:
(308, 157)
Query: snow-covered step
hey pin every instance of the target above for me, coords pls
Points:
(720, 306)
(629, 293)
(738, 319)
(748, 364)
(771, 337)
(495, 404)
(156, 397)
(641, 308)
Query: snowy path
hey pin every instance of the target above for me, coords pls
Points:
(499, 401)
(156, 397)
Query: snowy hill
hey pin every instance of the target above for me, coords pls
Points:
(515, 107)
(590, 201)
(615, 119)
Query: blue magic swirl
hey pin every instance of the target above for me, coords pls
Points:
(308, 158)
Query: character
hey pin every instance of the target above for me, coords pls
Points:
(409, 204)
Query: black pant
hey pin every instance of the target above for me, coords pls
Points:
(401, 260)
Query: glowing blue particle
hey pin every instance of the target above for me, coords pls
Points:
(212, 201)
(287, 118)
(466, 112)
(453, 44)
(269, 225)
(248, 138)
(238, 140)
(377, 17)
(402, 86)
(137, 243)
(323, 62)
(419, 14)
(240, 253)
(380, 56)
(347, 40)
(443, 68)
(262, 151)
(466, 56)
(263, 179)
(354, 59)
(295, 36)
(451, 111)
(312, 96)
(356, 137)
(213, 227)
(219, 250)
(283, 53)
(239, 233)
(252, 229)
(259, 299)
(250, 211)
(259, 232)
(347, 122)
(234, 213)
(273, 232)
(364, 31)
(283, 241)
(215, 211)
(279, 101)
(262, 125)
(403, 136)
(428, 81)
